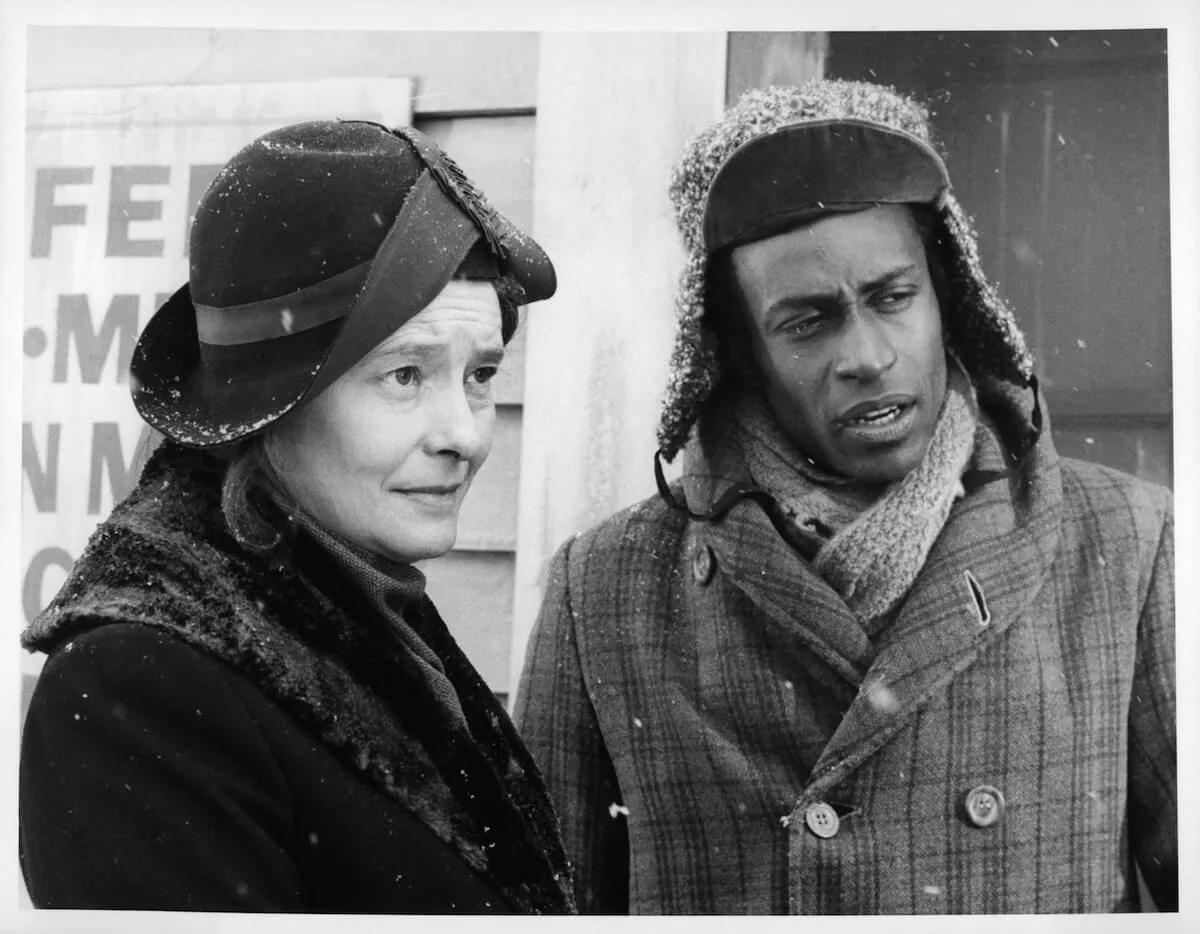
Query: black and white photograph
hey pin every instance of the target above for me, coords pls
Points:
(714, 467)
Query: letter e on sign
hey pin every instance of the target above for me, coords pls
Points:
(123, 209)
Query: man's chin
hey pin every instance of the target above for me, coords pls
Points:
(882, 467)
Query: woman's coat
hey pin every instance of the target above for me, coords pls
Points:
(212, 731)
(719, 735)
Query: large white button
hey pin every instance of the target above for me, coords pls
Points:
(984, 805)
(822, 820)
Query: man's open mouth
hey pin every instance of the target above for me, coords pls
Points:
(878, 416)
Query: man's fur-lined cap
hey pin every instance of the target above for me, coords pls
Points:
(978, 325)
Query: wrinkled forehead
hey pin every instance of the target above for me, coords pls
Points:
(465, 317)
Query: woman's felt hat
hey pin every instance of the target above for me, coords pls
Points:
(313, 244)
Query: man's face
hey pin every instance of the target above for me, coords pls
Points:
(847, 338)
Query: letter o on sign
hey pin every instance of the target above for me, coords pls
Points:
(31, 590)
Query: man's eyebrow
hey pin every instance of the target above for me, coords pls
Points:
(888, 277)
(798, 300)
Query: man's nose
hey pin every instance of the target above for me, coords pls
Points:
(865, 352)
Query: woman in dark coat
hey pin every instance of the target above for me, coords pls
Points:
(249, 702)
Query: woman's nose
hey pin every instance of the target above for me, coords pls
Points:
(458, 428)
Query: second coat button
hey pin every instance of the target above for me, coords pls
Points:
(984, 805)
(822, 820)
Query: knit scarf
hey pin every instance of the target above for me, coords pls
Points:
(478, 753)
(868, 544)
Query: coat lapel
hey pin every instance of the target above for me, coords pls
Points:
(989, 563)
(755, 559)
(753, 556)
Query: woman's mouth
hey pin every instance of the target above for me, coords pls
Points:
(434, 497)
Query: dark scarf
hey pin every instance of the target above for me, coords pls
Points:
(348, 673)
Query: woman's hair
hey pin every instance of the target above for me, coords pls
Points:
(725, 308)
(512, 297)
(250, 478)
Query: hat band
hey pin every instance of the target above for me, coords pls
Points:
(273, 318)
(307, 308)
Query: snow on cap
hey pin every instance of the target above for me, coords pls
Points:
(978, 325)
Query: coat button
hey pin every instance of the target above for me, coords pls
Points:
(703, 564)
(984, 805)
(822, 820)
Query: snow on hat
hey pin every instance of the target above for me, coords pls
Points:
(887, 128)
(314, 243)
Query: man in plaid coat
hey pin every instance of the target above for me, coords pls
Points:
(880, 650)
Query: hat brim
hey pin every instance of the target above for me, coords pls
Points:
(785, 176)
(201, 396)
(210, 403)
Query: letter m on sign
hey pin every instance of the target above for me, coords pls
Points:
(93, 345)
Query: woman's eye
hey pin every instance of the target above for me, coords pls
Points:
(479, 382)
(405, 376)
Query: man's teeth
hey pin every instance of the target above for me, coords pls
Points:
(879, 416)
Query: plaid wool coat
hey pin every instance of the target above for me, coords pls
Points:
(719, 735)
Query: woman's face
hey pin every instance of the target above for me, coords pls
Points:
(384, 456)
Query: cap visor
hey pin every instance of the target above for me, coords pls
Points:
(805, 166)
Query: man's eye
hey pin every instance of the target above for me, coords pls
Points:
(485, 374)
(405, 376)
(808, 325)
(894, 300)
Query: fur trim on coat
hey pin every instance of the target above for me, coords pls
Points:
(165, 559)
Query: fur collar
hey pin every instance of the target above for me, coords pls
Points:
(164, 558)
